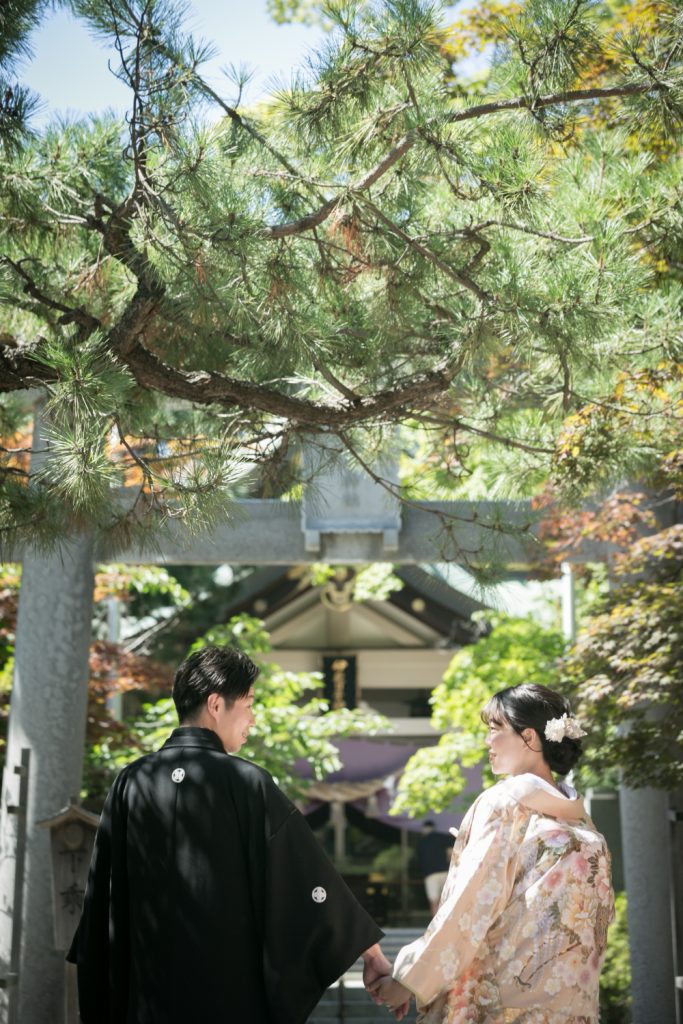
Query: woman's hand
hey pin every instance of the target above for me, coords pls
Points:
(375, 966)
(392, 994)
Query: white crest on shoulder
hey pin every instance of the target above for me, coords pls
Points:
(319, 895)
(178, 774)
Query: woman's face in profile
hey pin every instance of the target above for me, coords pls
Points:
(508, 753)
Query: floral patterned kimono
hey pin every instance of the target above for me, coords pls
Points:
(519, 936)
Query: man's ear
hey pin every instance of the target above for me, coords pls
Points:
(213, 704)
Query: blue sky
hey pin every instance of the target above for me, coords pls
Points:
(69, 68)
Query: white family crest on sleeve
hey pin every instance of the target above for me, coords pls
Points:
(319, 894)
(178, 774)
(568, 725)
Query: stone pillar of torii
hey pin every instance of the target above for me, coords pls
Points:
(345, 517)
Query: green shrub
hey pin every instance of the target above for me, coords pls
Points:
(615, 980)
(391, 861)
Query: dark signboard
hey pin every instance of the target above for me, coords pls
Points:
(339, 671)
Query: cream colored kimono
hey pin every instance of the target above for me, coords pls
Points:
(520, 933)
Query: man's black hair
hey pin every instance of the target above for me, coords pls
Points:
(223, 670)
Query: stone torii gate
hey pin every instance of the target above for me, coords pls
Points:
(346, 518)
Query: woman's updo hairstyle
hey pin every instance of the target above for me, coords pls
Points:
(532, 706)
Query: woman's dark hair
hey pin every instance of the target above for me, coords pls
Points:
(223, 670)
(532, 706)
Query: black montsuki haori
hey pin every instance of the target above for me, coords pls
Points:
(209, 898)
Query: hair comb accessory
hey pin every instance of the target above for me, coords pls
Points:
(568, 725)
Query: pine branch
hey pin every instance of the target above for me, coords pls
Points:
(469, 428)
(233, 114)
(447, 519)
(18, 372)
(252, 131)
(70, 314)
(331, 379)
(21, 451)
(551, 236)
(456, 275)
(117, 241)
(317, 217)
(208, 388)
(133, 323)
(313, 220)
(532, 103)
(147, 492)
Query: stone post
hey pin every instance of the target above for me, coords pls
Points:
(47, 715)
(568, 599)
(647, 867)
(338, 819)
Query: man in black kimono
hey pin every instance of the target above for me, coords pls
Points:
(209, 899)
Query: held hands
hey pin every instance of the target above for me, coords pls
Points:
(376, 973)
(375, 966)
(392, 994)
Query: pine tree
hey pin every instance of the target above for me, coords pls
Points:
(17, 19)
(204, 298)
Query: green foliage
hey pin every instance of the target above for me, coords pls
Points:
(103, 761)
(320, 573)
(626, 669)
(553, 42)
(244, 631)
(375, 582)
(287, 12)
(18, 18)
(615, 979)
(79, 472)
(152, 581)
(154, 724)
(200, 292)
(591, 591)
(292, 721)
(513, 651)
(433, 778)
(391, 862)
(90, 382)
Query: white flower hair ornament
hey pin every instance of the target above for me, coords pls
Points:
(557, 728)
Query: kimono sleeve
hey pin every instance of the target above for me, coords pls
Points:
(99, 947)
(314, 928)
(478, 888)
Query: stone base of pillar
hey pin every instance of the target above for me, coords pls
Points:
(647, 869)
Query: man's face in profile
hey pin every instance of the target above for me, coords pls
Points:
(233, 722)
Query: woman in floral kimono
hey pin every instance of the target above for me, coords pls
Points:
(519, 936)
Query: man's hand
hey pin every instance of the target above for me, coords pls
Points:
(375, 966)
(392, 994)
